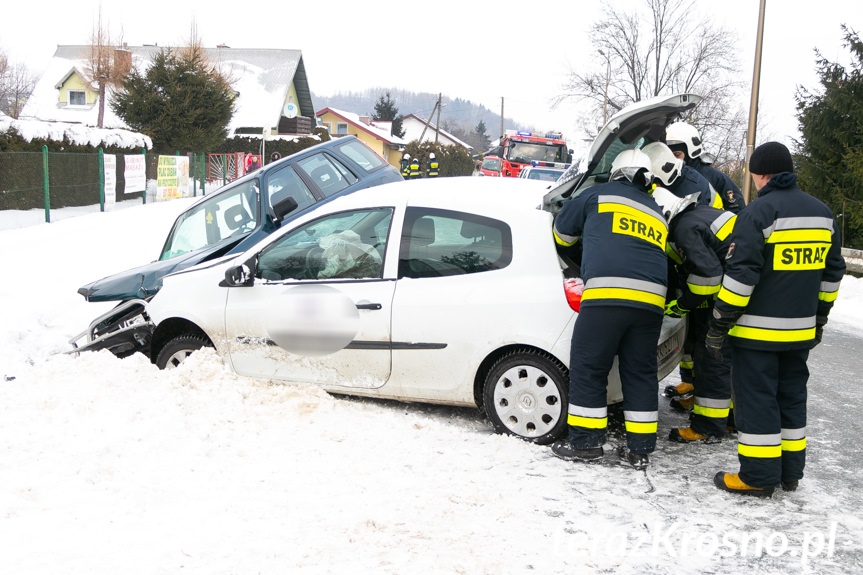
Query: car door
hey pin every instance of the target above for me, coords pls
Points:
(319, 310)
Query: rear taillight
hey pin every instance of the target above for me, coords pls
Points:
(573, 288)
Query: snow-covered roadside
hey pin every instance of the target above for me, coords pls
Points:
(110, 465)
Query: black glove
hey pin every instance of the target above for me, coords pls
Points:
(673, 309)
(713, 343)
(819, 330)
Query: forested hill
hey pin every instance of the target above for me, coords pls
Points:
(459, 117)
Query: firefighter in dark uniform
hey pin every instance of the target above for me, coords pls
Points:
(405, 165)
(685, 141)
(623, 265)
(433, 167)
(682, 181)
(698, 240)
(782, 276)
(414, 169)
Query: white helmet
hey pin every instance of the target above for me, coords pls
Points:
(431, 156)
(629, 163)
(672, 205)
(665, 166)
(406, 156)
(681, 133)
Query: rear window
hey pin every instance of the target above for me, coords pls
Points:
(328, 174)
(439, 243)
(364, 156)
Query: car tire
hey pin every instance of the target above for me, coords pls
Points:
(178, 349)
(525, 394)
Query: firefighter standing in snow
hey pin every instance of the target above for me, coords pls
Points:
(432, 170)
(624, 268)
(698, 240)
(782, 276)
(414, 169)
(685, 141)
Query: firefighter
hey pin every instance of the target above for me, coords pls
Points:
(697, 244)
(414, 169)
(782, 275)
(685, 141)
(433, 166)
(623, 265)
(682, 181)
(405, 165)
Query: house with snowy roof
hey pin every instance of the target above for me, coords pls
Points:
(272, 91)
(416, 128)
(375, 134)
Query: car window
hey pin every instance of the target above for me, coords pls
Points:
(544, 175)
(337, 246)
(443, 243)
(231, 212)
(492, 165)
(364, 156)
(286, 182)
(330, 175)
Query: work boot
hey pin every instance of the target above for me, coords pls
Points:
(566, 451)
(732, 483)
(789, 485)
(683, 404)
(639, 461)
(681, 389)
(688, 435)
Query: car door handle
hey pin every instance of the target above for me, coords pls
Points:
(369, 306)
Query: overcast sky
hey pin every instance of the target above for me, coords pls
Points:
(473, 50)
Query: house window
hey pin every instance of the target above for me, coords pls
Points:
(341, 128)
(77, 98)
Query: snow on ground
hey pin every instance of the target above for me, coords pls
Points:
(111, 465)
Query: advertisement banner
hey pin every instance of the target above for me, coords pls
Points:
(134, 173)
(172, 180)
(109, 165)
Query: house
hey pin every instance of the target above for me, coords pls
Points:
(414, 126)
(272, 91)
(375, 134)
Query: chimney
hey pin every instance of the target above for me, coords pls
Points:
(364, 120)
(122, 60)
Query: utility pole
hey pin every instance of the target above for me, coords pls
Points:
(437, 125)
(501, 117)
(753, 104)
(429, 121)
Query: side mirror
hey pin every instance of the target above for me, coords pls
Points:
(239, 276)
(284, 207)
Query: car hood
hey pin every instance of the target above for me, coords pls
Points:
(648, 118)
(144, 281)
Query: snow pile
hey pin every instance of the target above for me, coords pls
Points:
(76, 133)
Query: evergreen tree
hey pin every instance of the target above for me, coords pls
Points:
(830, 152)
(182, 102)
(482, 141)
(386, 110)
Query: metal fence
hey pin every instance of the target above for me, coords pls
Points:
(33, 184)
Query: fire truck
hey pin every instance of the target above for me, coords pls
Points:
(517, 149)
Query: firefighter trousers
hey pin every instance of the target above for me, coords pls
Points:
(712, 379)
(769, 389)
(600, 333)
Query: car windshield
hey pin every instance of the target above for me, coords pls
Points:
(360, 153)
(230, 213)
(544, 174)
(493, 165)
(525, 152)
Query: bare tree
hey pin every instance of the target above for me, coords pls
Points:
(17, 85)
(662, 49)
(106, 65)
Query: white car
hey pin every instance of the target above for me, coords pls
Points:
(445, 290)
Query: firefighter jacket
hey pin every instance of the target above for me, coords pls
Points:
(698, 240)
(623, 236)
(433, 167)
(783, 268)
(405, 168)
(690, 182)
(726, 195)
(414, 169)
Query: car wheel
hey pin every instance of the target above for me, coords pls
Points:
(525, 395)
(178, 349)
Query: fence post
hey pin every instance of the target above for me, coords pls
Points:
(192, 171)
(101, 180)
(203, 185)
(144, 194)
(45, 184)
(224, 169)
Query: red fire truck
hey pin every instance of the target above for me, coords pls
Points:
(518, 149)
